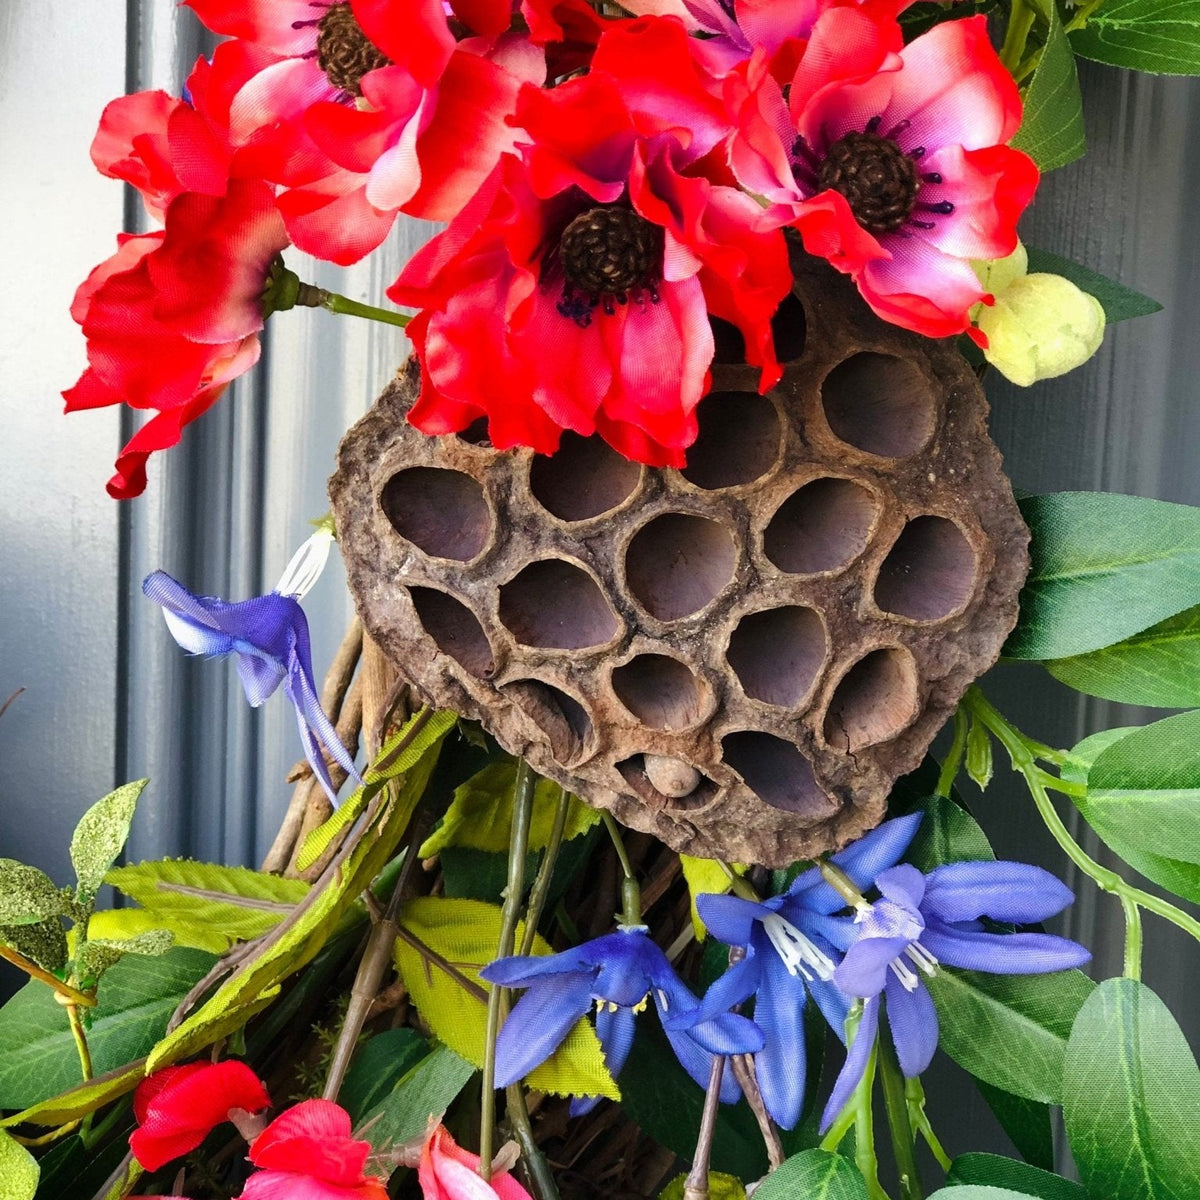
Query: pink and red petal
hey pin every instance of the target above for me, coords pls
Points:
(284, 26)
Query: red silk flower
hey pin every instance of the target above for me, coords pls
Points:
(176, 1108)
(890, 160)
(448, 1172)
(308, 1153)
(574, 290)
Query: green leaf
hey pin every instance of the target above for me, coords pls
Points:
(378, 1066)
(70, 1171)
(18, 1170)
(1009, 1030)
(466, 933)
(1120, 303)
(947, 834)
(133, 1004)
(27, 895)
(1158, 36)
(1159, 667)
(100, 837)
(1051, 131)
(971, 1191)
(83, 1098)
(1182, 878)
(1144, 789)
(706, 876)
(720, 1187)
(1131, 1092)
(993, 1170)
(1028, 1123)
(425, 1090)
(44, 942)
(117, 924)
(95, 956)
(1103, 567)
(815, 1175)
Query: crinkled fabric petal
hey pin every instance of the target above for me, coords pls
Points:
(412, 33)
(903, 884)
(281, 25)
(521, 970)
(780, 1064)
(914, 1025)
(738, 983)
(197, 639)
(856, 1063)
(313, 1137)
(615, 1029)
(1004, 891)
(172, 595)
(538, 1023)
(312, 717)
(729, 1033)
(131, 144)
(920, 288)
(333, 220)
(864, 970)
(283, 91)
(1003, 953)
(833, 1003)
(731, 919)
(260, 676)
(830, 231)
(697, 1062)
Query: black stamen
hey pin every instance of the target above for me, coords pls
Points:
(922, 224)
(917, 152)
(944, 207)
(932, 177)
(897, 129)
(873, 124)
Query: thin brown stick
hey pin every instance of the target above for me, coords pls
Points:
(73, 995)
(379, 695)
(695, 1187)
(432, 957)
(747, 1077)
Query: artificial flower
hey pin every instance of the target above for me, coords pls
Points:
(176, 1108)
(617, 973)
(270, 636)
(448, 1172)
(922, 921)
(574, 291)
(788, 955)
(309, 1153)
(890, 160)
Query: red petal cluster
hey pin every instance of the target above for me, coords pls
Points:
(448, 1172)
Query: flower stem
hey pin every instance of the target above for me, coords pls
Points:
(518, 847)
(311, 296)
(1133, 938)
(81, 1045)
(540, 1176)
(541, 885)
(954, 756)
(631, 897)
(1082, 15)
(696, 1185)
(1020, 22)
(896, 1105)
(914, 1095)
(68, 993)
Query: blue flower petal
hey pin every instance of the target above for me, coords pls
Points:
(739, 983)
(780, 1064)
(833, 1003)
(855, 1065)
(614, 1028)
(1004, 891)
(1003, 953)
(196, 638)
(730, 919)
(697, 1062)
(521, 970)
(903, 885)
(864, 970)
(538, 1023)
(260, 676)
(914, 1025)
(175, 598)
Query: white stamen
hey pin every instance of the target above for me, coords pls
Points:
(306, 566)
(663, 1003)
(797, 951)
(923, 958)
(908, 979)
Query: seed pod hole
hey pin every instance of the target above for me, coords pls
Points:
(778, 653)
(633, 771)
(455, 630)
(929, 572)
(874, 701)
(442, 512)
(881, 404)
(729, 347)
(561, 718)
(677, 564)
(558, 606)
(776, 772)
(738, 440)
(821, 527)
(583, 478)
(789, 326)
(476, 434)
(660, 691)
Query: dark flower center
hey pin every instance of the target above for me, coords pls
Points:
(610, 251)
(879, 180)
(344, 52)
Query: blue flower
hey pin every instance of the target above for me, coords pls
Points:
(923, 920)
(788, 954)
(617, 973)
(270, 637)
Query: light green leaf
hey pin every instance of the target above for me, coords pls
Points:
(83, 1098)
(18, 1170)
(972, 1191)
(1051, 131)
(1144, 789)
(96, 955)
(993, 1170)
(720, 1187)
(27, 895)
(1158, 36)
(1120, 303)
(425, 1090)
(44, 942)
(705, 876)
(133, 1004)
(1104, 567)
(1009, 1030)
(815, 1175)
(116, 924)
(466, 934)
(100, 837)
(480, 815)
(1131, 1092)
(1159, 667)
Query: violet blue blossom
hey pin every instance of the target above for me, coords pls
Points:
(789, 953)
(270, 637)
(922, 921)
(617, 973)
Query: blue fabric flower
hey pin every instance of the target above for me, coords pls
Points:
(617, 973)
(923, 920)
(789, 953)
(270, 637)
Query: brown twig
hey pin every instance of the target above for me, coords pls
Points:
(432, 957)
(73, 995)
(747, 1077)
(695, 1187)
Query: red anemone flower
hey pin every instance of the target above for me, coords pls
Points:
(890, 160)
(176, 1108)
(574, 290)
(448, 1172)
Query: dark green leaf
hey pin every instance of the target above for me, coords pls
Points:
(1158, 36)
(993, 1170)
(1120, 303)
(1028, 1124)
(815, 1175)
(1051, 131)
(378, 1066)
(1131, 1092)
(45, 942)
(425, 1090)
(947, 834)
(1159, 667)
(28, 895)
(1010, 1030)
(95, 957)
(71, 1171)
(134, 1002)
(100, 837)
(1103, 567)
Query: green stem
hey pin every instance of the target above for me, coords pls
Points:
(81, 1045)
(954, 756)
(631, 897)
(541, 885)
(896, 1106)
(310, 296)
(518, 847)
(1133, 938)
(1082, 15)
(1020, 22)
(914, 1095)
(540, 1176)
(64, 991)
